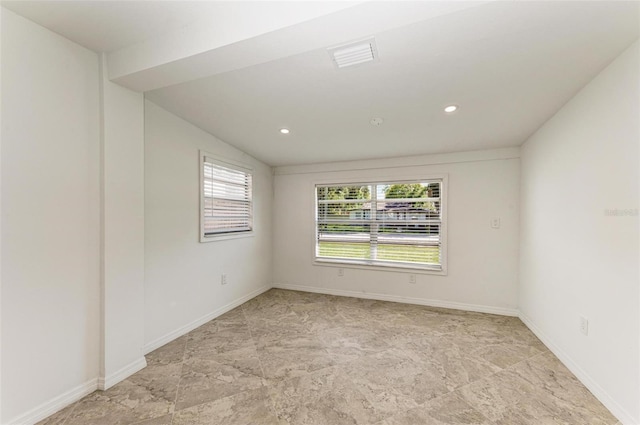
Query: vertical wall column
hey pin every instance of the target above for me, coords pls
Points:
(122, 231)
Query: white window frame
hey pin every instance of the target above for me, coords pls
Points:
(368, 265)
(234, 165)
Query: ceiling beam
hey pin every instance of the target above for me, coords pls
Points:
(248, 34)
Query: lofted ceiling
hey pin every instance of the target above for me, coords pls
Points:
(508, 65)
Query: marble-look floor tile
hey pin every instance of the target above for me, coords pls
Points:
(543, 411)
(266, 308)
(172, 352)
(123, 404)
(458, 365)
(163, 420)
(495, 395)
(449, 409)
(246, 408)
(284, 364)
(277, 340)
(296, 358)
(208, 380)
(496, 330)
(300, 298)
(347, 343)
(392, 380)
(558, 390)
(505, 354)
(319, 316)
(59, 417)
(323, 397)
(220, 343)
(161, 381)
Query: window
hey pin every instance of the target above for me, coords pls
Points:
(397, 224)
(226, 199)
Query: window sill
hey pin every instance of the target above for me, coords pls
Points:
(396, 268)
(225, 236)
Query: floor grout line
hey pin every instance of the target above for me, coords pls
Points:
(255, 343)
(271, 406)
(184, 355)
(72, 410)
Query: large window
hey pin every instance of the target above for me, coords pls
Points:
(226, 199)
(398, 224)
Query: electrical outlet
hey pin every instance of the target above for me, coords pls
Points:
(584, 325)
(495, 223)
(340, 272)
(412, 278)
(223, 279)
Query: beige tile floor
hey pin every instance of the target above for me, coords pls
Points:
(290, 357)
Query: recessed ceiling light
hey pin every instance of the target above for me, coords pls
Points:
(284, 131)
(451, 108)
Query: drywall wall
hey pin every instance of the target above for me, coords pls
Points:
(122, 231)
(1, 9)
(182, 275)
(579, 235)
(50, 217)
(482, 262)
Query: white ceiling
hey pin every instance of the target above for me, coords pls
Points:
(509, 65)
(104, 26)
(109, 25)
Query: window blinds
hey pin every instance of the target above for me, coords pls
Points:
(386, 224)
(227, 198)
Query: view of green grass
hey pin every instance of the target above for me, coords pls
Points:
(388, 252)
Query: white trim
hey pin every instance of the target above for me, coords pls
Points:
(226, 236)
(401, 299)
(159, 342)
(401, 162)
(382, 266)
(56, 404)
(618, 411)
(106, 382)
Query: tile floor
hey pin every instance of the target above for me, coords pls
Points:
(294, 358)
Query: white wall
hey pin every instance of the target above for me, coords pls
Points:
(50, 216)
(576, 260)
(182, 275)
(482, 262)
(122, 231)
(1, 20)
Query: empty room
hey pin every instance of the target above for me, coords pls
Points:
(319, 212)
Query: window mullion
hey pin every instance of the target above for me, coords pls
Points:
(374, 228)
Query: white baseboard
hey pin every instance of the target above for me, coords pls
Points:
(159, 342)
(60, 402)
(55, 404)
(401, 299)
(106, 382)
(618, 411)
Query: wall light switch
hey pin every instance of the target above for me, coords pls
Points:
(340, 272)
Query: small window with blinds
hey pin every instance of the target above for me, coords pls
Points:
(226, 199)
(392, 224)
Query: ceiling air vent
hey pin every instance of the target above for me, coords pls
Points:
(354, 53)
